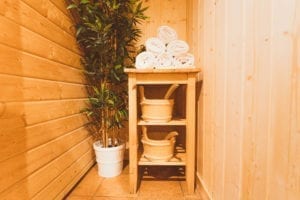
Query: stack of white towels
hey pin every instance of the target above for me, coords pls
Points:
(165, 51)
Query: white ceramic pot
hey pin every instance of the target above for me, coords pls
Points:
(109, 160)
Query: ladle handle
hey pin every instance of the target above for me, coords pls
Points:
(144, 130)
(170, 91)
(142, 92)
(171, 135)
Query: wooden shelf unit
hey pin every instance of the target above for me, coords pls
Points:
(184, 76)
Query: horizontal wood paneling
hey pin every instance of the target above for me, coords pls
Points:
(15, 88)
(71, 173)
(45, 145)
(18, 168)
(58, 15)
(36, 22)
(248, 126)
(34, 43)
(43, 111)
(48, 174)
(35, 135)
(61, 5)
(17, 62)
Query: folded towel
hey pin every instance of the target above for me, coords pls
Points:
(166, 34)
(163, 60)
(183, 60)
(144, 60)
(155, 45)
(177, 47)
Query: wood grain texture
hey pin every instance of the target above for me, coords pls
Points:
(45, 145)
(19, 37)
(36, 22)
(168, 12)
(53, 12)
(249, 127)
(15, 88)
(19, 63)
(38, 134)
(44, 177)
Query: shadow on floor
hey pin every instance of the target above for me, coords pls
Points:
(156, 183)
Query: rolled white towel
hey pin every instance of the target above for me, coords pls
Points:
(144, 60)
(163, 60)
(183, 60)
(155, 45)
(166, 34)
(177, 47)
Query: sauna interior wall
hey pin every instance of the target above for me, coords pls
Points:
(249, 107)
(44, 147)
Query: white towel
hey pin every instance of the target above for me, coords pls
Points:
(155, 45)
(144, 60)
(163, 60)
(183, 60)
(177, 47)
(166, 34)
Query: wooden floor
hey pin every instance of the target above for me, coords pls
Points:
(158, 183)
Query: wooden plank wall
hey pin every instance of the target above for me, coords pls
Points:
(248, 120)
(44, 147)
(172, 13)
(168, 12)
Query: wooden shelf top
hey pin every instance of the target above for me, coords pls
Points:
(160, 70)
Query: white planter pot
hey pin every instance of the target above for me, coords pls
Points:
(109, 160)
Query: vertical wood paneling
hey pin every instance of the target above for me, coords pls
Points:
(256, 97)
(220, 99)
(283, 13)
(168, 12)
(249, 126)
(208, 110)
(45, 145)
(293, 187)
(233, 111)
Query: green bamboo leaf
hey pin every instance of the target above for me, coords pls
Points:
(107, 28)
(71, 6)
(79, 30)
(111, 102)
(118, 66)
(84, 1)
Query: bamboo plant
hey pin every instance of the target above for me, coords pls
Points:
(107, 31)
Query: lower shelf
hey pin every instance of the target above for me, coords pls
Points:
(177, 160)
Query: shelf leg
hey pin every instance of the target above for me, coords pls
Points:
(133, 144)
(190, 134)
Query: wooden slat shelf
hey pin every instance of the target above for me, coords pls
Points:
(179, 159)
(173, 122)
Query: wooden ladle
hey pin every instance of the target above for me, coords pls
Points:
(167, 95)
(170, 91)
